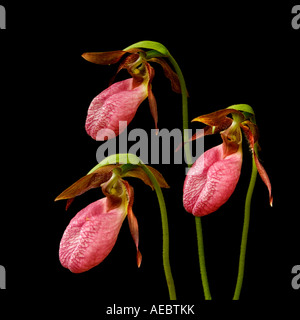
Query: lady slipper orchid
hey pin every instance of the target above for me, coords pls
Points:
(113, 109)
(213, 177)
(92, 233)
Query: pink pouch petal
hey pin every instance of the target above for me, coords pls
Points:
(90, 236)
(197, 177)
(119, 102)
(211, 181)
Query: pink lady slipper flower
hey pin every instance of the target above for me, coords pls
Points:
(93, 232)
(213, 177)
(113, 109)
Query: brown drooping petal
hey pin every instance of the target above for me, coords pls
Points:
(104, 58)
(169, 73)
(90, 181)
(133, 223)
(251, 133)
(218, 118)
(138, 172)
(151, 97)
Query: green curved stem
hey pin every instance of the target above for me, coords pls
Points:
(241, 270)
(185, 124)
(165, 228)
(153, 45)
(201, 255)
(185, 115)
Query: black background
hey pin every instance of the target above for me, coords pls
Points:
(229, 53)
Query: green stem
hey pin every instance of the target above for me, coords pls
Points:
(241, 270)
(165, 227)
(185, 124)
(185, 115)
(201, 255)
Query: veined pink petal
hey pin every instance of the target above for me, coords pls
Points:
(211, 181)
(90, 236)
(119, 102)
